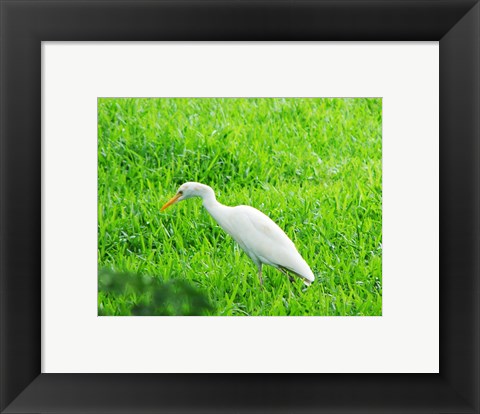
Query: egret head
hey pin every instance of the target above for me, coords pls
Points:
(188, 190)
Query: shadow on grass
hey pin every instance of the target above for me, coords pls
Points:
(149, 296)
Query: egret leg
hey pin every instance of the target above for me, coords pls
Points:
(260, 274)
(290, 277)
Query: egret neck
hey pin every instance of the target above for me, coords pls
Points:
(214, 208)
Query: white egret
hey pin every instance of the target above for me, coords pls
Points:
(262, 240)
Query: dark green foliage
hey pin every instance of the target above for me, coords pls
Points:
(148, 296)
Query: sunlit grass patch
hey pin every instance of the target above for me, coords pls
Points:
(312, 165)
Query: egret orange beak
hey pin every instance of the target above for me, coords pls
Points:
(173, 200)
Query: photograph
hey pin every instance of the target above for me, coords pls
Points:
(239, 206)
(308, 169)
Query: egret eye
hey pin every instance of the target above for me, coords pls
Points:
(180, 192)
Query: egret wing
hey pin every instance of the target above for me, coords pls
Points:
(263, 240)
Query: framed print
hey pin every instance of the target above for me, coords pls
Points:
(289, 37)
(360, 290)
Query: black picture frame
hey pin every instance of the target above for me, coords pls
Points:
(25, 24)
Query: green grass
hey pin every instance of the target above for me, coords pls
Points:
(312, 165)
